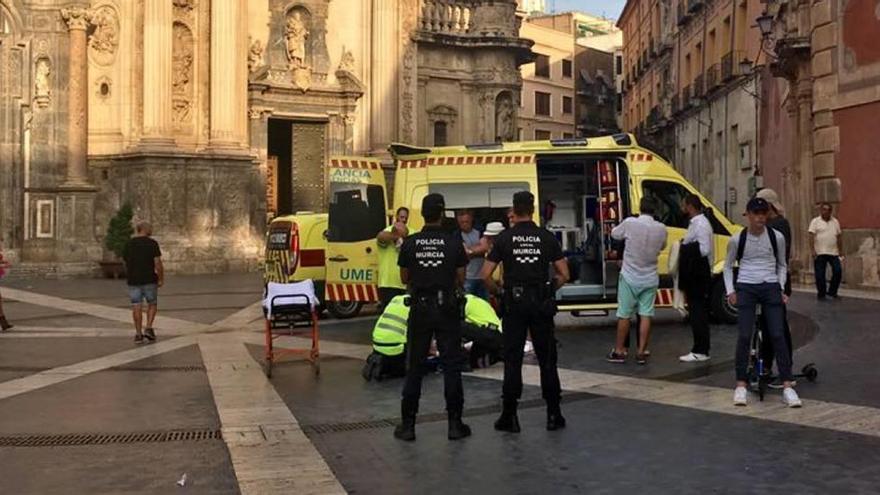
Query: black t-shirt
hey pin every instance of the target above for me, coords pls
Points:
(526, 251)
(432, 257)
(140, 260)
(780, 224)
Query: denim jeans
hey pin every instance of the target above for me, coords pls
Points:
(819, 265)
(769, 296)
(476, 287)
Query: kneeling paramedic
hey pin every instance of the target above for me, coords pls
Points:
(388, 358)
(432, 265)
(481, 328)
(525, 251)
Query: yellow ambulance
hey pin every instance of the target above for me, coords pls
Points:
(583, 188)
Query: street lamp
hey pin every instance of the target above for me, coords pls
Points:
(765, 24)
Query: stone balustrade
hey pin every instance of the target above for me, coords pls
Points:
(446, 16)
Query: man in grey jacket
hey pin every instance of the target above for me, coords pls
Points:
(760, 280)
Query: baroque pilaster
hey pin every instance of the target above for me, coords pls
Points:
(228, 73)
(77, 19)
(158, 60)
(384, 74)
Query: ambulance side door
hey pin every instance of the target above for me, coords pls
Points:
(357, 213)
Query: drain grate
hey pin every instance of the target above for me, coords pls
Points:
(322, 429)
(108, 438)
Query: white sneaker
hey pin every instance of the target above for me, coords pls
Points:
(740, 396)
(790, 398)
(693, 357)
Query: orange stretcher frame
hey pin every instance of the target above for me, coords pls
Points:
(291, 320)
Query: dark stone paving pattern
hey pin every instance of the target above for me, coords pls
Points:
(31, 315)
(26, 356)
(610, 446)
(117, 401)
(142, 468)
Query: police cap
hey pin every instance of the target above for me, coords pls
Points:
(433, 205)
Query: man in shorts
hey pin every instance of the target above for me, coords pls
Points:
(145, 274)
(645, 237)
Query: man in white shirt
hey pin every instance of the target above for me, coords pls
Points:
(826, 243)
(760, 280)
(696, 281)
(637, 286)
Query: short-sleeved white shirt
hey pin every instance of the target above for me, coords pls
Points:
(826, 235)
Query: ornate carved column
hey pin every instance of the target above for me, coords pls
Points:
(228, 74)
(158, 23)
(77, 19)
(384, 74)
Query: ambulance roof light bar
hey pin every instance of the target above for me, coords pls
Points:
(568, 142)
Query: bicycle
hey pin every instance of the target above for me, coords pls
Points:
(757, 373)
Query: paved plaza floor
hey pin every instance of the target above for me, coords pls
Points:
(85, 410)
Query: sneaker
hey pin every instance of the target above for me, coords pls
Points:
(641, 359)
(740, 396)
(790, 398)
(139, 339)
(150, 334)
(693, 357)
(614, 357)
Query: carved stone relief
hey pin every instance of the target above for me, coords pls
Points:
(255, 56)
(505, 117)
(42, 82)
(183, 8)
(182, 73)
(103, 88)
(104, 40)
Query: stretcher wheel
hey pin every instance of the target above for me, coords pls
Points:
(810, 372)
(316, 366)
(267, 367)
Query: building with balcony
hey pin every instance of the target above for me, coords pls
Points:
(548, 90)
(596, 92)
(687, 96)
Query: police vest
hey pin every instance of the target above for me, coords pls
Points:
(479, 312)
(389, 334)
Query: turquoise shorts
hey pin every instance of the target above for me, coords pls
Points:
(630, 299)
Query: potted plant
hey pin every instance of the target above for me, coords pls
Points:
(118, 233)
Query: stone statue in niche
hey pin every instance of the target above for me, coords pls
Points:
(504, 117)
(296, 34)
(182, 73)
(105, 38)
(42, 73)
(255, 56)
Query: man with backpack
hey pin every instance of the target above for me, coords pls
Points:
(759, 252)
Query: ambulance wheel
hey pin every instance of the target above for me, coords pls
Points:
(267, 367)
(344, 309)
(810, 372)
(722, 311)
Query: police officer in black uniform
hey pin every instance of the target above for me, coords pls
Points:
(432, 264)
(529, 305)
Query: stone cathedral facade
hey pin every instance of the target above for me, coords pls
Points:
(207, 115)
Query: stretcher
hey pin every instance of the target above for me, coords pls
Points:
(289, 310)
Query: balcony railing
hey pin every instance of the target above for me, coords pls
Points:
(685, 97)
(695, 5)
(646, 58)
(682, 13)
(654, 117)
(652, 48)
(698, 86)
(446, 16)
(730, 64)
(676, 104)
(712, 80)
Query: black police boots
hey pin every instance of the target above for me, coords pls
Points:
(508, 420)
(406, 430)
(457, 429)
(555, 421)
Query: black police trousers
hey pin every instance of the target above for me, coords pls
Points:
(520, 319)
(427, 321)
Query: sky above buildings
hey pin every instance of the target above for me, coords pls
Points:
(608, 8)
